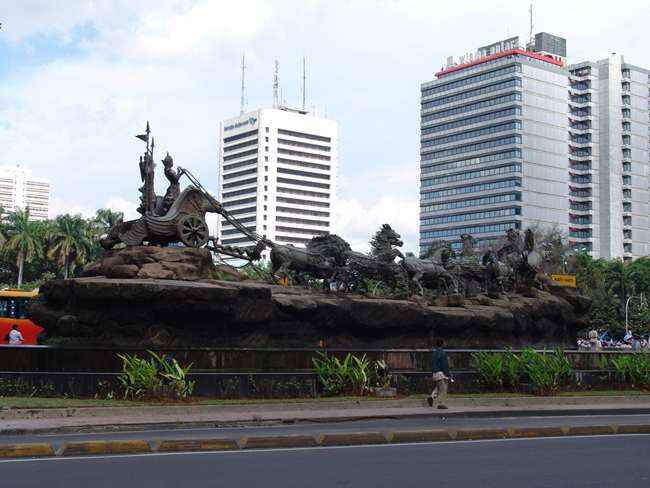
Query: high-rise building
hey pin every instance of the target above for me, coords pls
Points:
(609, 210)
(19, 189)
(513, 138)
(278, 176)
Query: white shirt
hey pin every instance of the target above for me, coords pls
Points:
(15, 337)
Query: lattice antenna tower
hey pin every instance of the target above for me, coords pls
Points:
(531, 21)
(243, 67)
(276, 79)
(304, 83)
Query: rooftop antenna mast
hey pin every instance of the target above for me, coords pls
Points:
(275, 86)
(304, 83)
(243, 67)
(531, 21)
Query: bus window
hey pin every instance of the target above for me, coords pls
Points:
(4, 308)
(21, 309)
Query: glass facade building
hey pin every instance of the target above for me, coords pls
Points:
(493, 147)
(512, 139)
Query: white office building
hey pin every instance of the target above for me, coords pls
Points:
(511, 137)
(19, 189)
(278, 176)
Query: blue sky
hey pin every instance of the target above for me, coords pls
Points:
(80, 78)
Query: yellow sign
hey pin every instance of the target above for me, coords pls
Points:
(284, 280)
(566, 280)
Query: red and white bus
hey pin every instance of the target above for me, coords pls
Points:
(13, 310)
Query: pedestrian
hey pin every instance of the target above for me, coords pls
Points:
(643, 344)
(15, 337)
(634, 343)
(440, 370)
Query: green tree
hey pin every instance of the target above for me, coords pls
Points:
(24, 237)
(70, 241)
(617, 280)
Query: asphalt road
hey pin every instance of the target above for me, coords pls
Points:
(580, 461)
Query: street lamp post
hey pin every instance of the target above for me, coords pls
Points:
(626, 304)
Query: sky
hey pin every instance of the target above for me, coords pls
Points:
(80, 78)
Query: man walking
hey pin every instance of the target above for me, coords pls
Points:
(440, 370)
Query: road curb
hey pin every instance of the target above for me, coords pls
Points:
(181, 445)
(25, 450)
(88, 448)
(306, 440)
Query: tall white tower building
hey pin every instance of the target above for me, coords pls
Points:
(278, 176)
(19, 189)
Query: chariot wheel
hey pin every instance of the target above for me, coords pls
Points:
(193, 231)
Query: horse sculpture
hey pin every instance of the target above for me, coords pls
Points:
(468, 268)
(429, 271)
(497, 272)
(532, 258)
(379, 264)
(323, 257)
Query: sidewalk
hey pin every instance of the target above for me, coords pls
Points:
(116, 419)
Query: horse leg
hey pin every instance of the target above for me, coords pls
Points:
(416, 279)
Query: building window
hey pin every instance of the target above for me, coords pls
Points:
(625, 73)
(627, 153)
(627, 113)
(627, 139)
(627, 126)
(626, 99)
(625, 86)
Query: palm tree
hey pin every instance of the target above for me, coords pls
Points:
(70, 241)
(24, 237)
(105, 218)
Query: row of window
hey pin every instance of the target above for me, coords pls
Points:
(580, 112)
(235, 184)
(473, 79)
(580, 192)
(240, 211)
(313, 184)
(297, 201)
(470, 162)
(471, 203)
(304, 164)
(291, 230)
(478, 229)
(238, 240)
(580, 98)
(239, 155)
(243, 135)
(484, 173)
(580, 206)
(303, 173)
(580, 220)
(580, 152)
(472, 189)
(240, 164)
(239, 192)
(299, 154)
(472, 93)
(579, 125)
(288, 220)
(490, 214)
(240, 146)
(304, 135)
(472, 106)
(240, 173)
(471, 134)
(231, 232)
(243, 201)
(302, 211)
(315, 147)
(472, 120)
(304, 193)
(581, 180)
(472, 147)
(298, 240)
